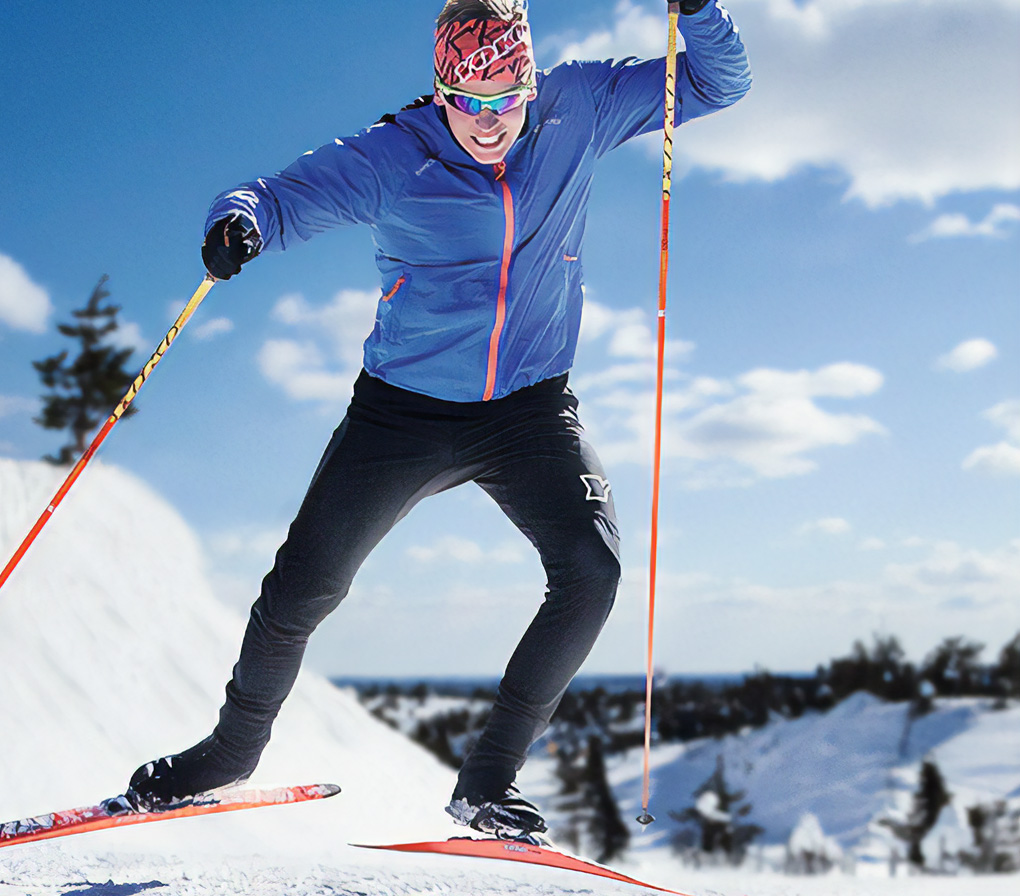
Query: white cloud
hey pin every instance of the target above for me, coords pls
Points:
(843, 380)
(994, 225)
(246, 541)
(717, 619)
(830, 525)
(762, 424)
(342, 324)
(464, 550)
(324, 364)
(872, 544)
(909, 99)
(300, 370)
(1002, 458)
(129, 335)
(213, 328)
(967, 356)
(768, 434)
(15, 404)
(951, 571)
(24, 305)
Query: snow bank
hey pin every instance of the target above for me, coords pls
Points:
(847, 767)
(116, 651)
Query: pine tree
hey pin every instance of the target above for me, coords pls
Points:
(589, 818)
(716, 815)
(953, 666)
(930, 798)
(86, 389)
(1008, 668)
(607, 829)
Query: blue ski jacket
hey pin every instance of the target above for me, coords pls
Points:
(481, 275)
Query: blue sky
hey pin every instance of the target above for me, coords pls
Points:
(842, 439)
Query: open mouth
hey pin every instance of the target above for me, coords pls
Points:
(489, 142)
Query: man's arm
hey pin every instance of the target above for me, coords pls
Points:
(343, 182)
(712, 73)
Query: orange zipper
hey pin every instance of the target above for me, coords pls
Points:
(504, 278)
(394, 288)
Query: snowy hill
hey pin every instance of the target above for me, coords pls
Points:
(117, 652)
(848, 767)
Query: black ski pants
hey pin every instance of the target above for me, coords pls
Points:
(393, 448)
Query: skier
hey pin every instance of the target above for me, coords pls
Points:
(476, 196)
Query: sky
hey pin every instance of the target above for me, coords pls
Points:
(842, 424)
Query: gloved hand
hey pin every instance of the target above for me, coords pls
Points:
(228, 245)
(690, 7)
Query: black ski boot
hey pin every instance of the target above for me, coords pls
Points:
(176, 780)
(509, 817)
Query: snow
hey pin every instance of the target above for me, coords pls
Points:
(117, 651)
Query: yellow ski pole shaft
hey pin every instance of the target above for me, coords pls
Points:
(118, 412)
(667, 177)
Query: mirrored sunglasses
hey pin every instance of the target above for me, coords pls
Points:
(473, 103)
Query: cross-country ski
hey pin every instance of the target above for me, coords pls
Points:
(118, 811)
(516, 851)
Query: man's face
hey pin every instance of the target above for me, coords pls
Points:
(487, 137)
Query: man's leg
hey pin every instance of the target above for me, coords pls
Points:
(375, 468)
(550, 483)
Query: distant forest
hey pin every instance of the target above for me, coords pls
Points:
(689, 709)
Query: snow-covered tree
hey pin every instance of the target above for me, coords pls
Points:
(808, 850)
(996, 830)
(716, 815)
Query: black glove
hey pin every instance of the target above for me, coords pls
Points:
(690, 7)
(229, 244)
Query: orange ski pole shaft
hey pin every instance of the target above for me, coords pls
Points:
(667, 177)
(111, 421)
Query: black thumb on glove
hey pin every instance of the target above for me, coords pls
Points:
(228, 245)
(690, 7)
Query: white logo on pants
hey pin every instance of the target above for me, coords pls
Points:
(598, 488)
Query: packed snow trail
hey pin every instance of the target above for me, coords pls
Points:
(51, 872)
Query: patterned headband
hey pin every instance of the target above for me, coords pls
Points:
(485, 50)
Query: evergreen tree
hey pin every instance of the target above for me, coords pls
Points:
(930, 798)
(953, 666)
(591, 819)
(1008, 668)
(996, 829)
(607, 829)
(85, 390)
(717, 813)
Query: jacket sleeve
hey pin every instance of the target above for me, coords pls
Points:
(712, 73)
(344, 182)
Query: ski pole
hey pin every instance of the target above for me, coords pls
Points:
(118, 412)
(667, 176)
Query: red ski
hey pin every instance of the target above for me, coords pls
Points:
(514, 851)
(117, 812)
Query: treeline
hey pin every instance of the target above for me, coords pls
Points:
(685, 710)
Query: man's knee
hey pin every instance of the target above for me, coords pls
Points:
(590, 573)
